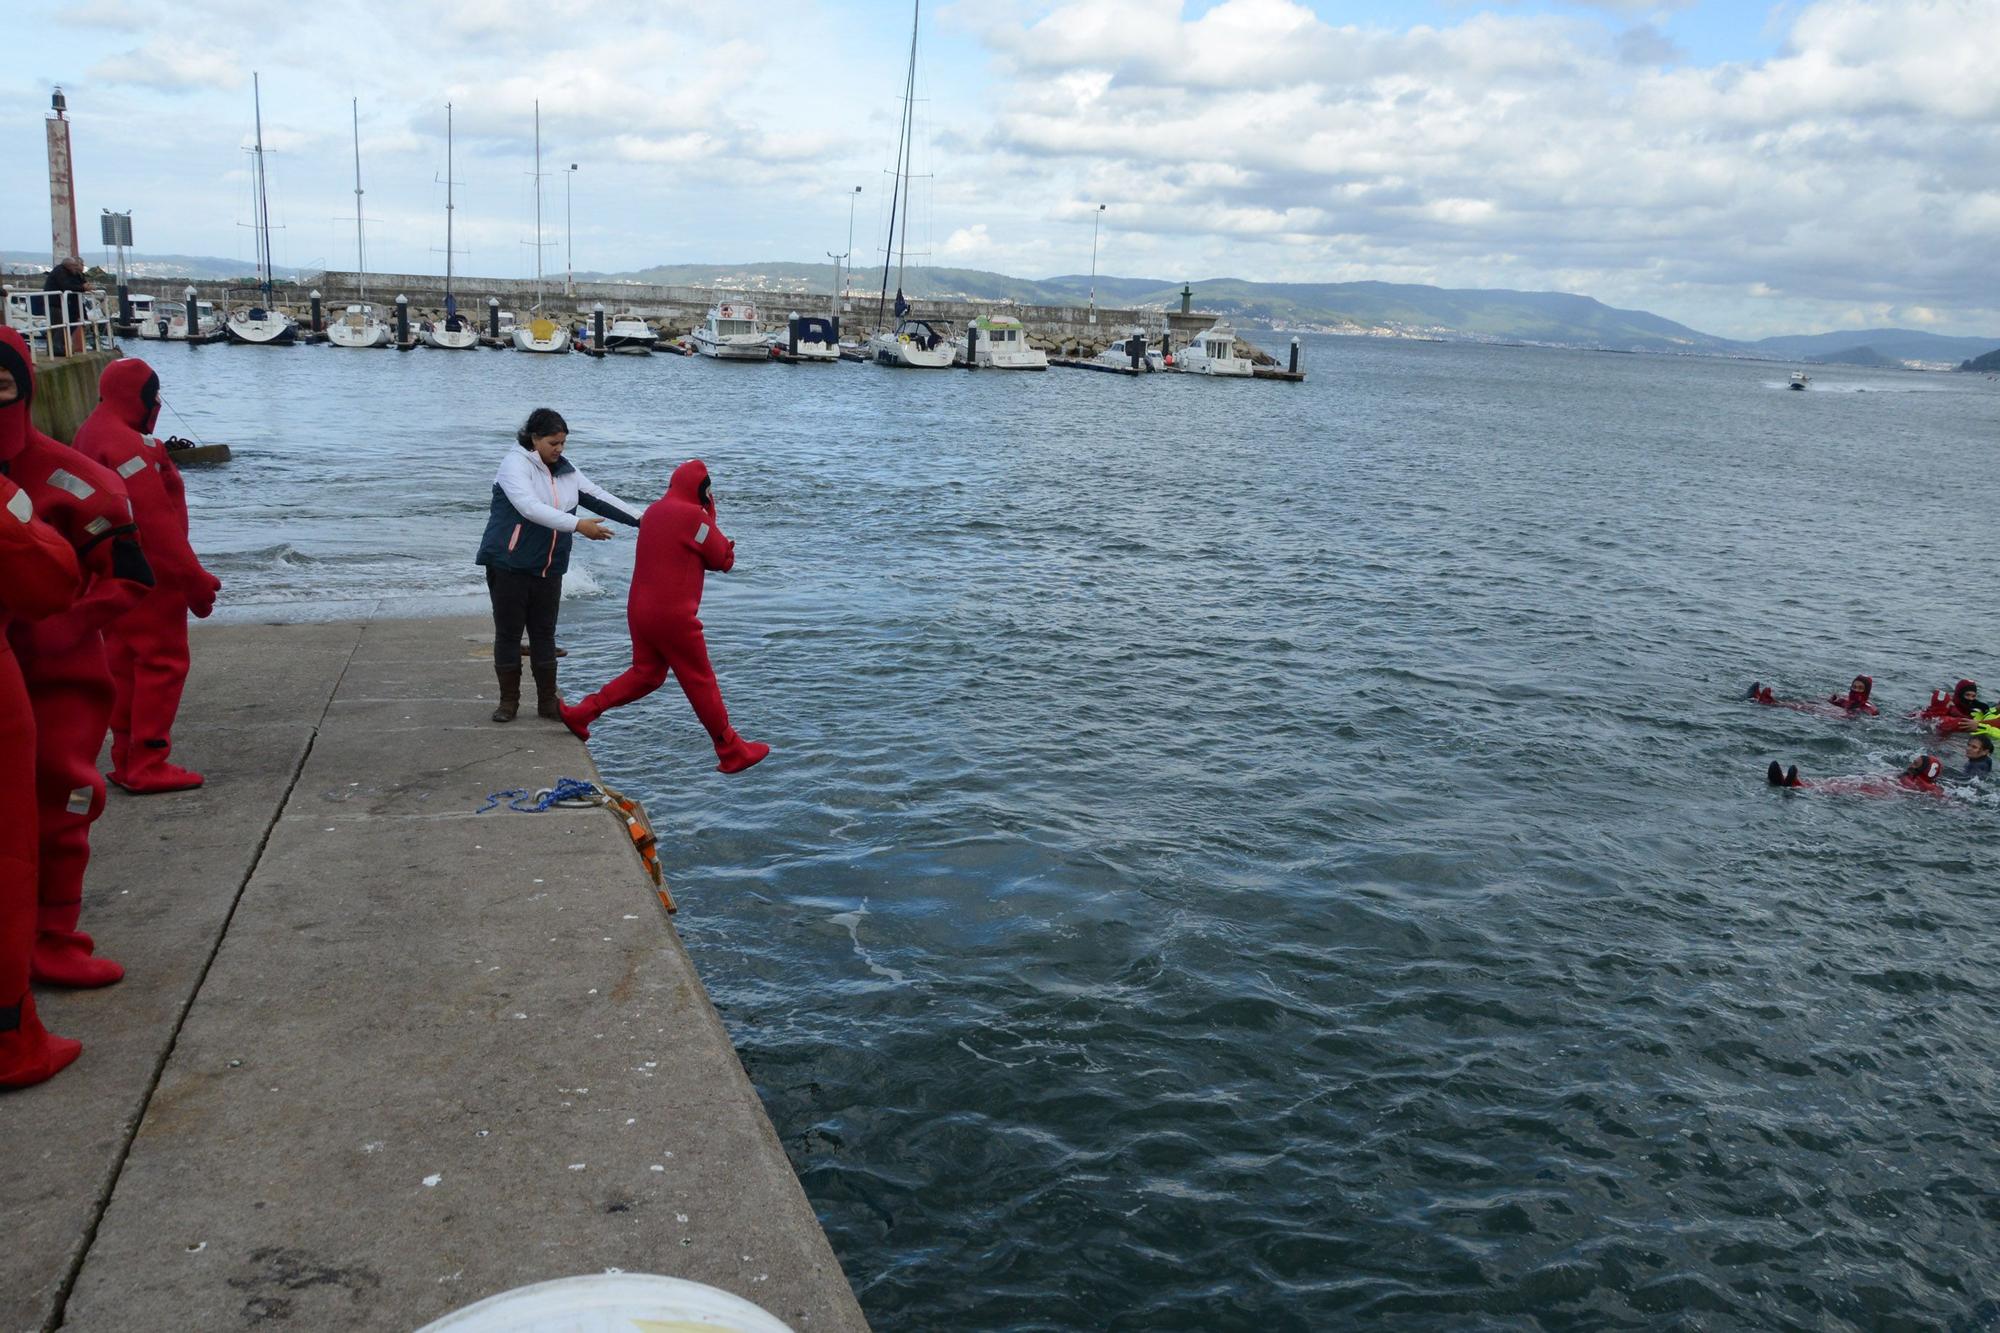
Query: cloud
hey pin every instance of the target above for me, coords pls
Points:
(173, 65)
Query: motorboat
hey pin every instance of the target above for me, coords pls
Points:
(1799, 380)
(261, 325)
(358, 327)
(1002, 344)
(809, 338)
(914, 345)
(630, 335)
(540, 335)
(147, 320)
(206, 322)
(730, 333)
(1131, 353)
(1213, 352)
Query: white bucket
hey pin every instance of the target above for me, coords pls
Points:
(610, 1303)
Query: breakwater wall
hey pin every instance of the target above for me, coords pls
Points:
(66, 392)
(676, 310)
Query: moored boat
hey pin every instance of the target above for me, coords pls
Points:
(358, 326)
(913, 345)
(541, 335)
(730, 333)
(630, 335)
(261, 325)
(456, 333)
(1213, 352)
(997, 342)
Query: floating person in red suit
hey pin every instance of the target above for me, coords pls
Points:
(1960, 710)
(1856, 701)
(679, 543)
(1920, 778)
(148, 645)
(62, 661)
(38, 577)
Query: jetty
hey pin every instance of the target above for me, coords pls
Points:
(376, 1055)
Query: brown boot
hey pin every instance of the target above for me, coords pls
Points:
(510, 693)
(547, 702)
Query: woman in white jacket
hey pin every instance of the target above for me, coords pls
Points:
(526, 551)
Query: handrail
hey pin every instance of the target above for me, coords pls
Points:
(51, 333)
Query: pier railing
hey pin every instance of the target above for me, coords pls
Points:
(43, 321)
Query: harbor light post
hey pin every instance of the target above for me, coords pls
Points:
(1095, 218)
(569, 238)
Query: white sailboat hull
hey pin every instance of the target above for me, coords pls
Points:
(886, 349)
(555, 340)
(452, 340)
(262, 329)
(370, 333)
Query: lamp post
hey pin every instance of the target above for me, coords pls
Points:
(1095, 218)
(569, 238)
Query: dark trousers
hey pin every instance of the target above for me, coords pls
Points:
(523, 601)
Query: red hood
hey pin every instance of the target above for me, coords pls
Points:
(131, 390)
(1866, 690)
(686, 483)
(15, 425)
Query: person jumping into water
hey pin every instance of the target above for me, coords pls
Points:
(1855, 701)
(679, 543)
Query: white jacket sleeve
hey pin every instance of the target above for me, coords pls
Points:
(588, 487)
(524, 484)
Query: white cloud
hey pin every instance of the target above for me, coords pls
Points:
(173, 65)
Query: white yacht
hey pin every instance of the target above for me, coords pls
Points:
(540, 335)
(147, 320)
(1799, 380)
(914, 345)
(730, 333)
(1119, 355)
(359, 326)
(456, 333)
(1213, 353)
(261, 325)
(1002, 345)
(630, 335)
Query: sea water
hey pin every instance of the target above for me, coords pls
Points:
(1245, 854)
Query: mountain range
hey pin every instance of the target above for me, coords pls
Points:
(1381, 308)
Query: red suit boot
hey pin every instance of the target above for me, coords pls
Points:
(679, 543)
(148, 645)
(38, 577)
(69, 684)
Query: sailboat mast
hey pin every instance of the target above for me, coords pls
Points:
(448, 205)
(897, 191)
(263, 199)
(360, 248)
(538, 205)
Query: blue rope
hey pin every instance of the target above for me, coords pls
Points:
(566, 789)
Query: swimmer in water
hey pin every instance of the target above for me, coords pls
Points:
(1856, 700)
(1978, 760)
(1920, 777)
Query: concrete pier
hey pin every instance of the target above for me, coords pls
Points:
(377, 1056)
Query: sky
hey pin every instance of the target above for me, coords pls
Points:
(1745, 168)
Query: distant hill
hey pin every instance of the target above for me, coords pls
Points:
(148, 265)
(1985, 364)
(1894, 344)
(1859, 356)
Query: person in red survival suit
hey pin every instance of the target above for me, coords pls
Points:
(1959, 710)
(1920, 778)
(679, 543)
(1856, 700)
(38, 577)
(62, 661)
(148, 645)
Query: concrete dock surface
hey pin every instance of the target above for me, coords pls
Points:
(377, 1056)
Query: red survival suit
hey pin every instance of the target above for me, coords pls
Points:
(69, 683)
(148, 645)
(679, 543)
(1959, 710)
(1919, 779)
(38, 577)
(1856, 700)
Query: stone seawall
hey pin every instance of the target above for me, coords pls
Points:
(66, 392)
(676, 310)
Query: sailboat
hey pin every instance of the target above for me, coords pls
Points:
(359, 326)
(539, 334)
(913, 344)
(260, 325)
(456, 333)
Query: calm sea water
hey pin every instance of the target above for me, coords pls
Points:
(1281, 856)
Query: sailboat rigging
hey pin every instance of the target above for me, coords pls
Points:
(539, 334)
(913, 344)
(359, 326)
(454, 334)
(260, 325)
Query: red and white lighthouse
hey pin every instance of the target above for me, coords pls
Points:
(62, 183)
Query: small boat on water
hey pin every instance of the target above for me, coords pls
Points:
(1799, 380)
(1130, 353)
(147, 319)
(1002, 344)
(456, 333)
(1213, 352)
(539, 334)
(630, 335)
(914, 345)
(358, 326)
(207, 324)
(812, 338)
(262, 325)
(731, 333)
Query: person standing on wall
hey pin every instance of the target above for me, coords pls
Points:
(68, 278)
(526, 552)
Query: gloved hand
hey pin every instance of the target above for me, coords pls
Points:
(202, 600)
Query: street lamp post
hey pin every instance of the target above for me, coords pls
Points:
(569, 238)
(1095, 218)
